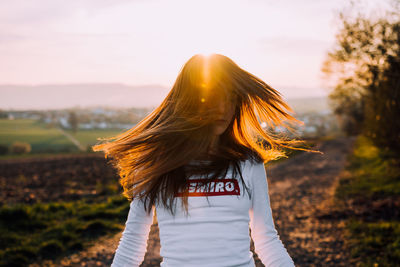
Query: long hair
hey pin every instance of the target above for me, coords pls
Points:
(154, 157)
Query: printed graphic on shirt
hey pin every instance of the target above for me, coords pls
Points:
(218, 187)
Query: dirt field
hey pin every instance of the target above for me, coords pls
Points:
(300, 189)
(54, 178)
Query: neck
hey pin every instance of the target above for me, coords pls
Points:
(214, 144)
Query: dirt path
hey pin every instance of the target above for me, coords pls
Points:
(299, 188)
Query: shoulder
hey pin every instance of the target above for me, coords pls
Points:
(252, 163)
(256, 173)
(253, 169)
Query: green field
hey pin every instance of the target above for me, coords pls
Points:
(89, 137)
(46, 139)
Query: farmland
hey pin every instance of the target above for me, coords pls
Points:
(46, 139)
(55, 199)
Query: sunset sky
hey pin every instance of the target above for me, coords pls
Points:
(141, 42)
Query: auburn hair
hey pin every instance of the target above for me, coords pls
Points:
(154, 158)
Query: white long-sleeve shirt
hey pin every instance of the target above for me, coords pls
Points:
(216, 233)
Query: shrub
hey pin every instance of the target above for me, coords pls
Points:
(20, 147)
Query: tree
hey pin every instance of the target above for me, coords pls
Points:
(73, 121)
(382, 123)
(365, 63)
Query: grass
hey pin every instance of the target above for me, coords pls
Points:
(44, 139)
(53, 230)
(371, 176)
(374, 243)
(35, 133)
(89, 137)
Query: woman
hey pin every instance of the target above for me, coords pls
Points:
(198, 162)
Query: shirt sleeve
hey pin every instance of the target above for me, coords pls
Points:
(133, 242)
(267, 243)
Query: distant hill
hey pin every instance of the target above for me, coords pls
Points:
(85, 95)
(49, 96)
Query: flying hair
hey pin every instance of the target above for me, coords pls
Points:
(154, 158)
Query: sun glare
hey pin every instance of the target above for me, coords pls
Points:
(206, 72)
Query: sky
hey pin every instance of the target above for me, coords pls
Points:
(146, 42)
